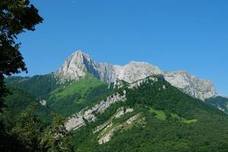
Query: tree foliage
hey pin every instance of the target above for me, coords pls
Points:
(56, 138)
(28, 129)
(16, 16)
(30, 133)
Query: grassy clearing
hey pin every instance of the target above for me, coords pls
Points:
(183, 120)
(73, 96)
(159, 114)
(190, 121)
(81, 87)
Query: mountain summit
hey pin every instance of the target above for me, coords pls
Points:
(79, 64)
(76, 66)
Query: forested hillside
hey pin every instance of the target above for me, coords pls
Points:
(154, 117)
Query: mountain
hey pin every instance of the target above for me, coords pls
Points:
(76, 67)
(135, 107)
(79, 64)
(81, 70)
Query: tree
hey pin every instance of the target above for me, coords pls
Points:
(28, 129)
(56, 138)
(31, 134)
(16, 16)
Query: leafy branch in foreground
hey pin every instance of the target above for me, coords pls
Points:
(16, 16)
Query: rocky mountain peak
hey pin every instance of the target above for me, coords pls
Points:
(135, 70)
(79, 64)
(79, 57)
(76, 66)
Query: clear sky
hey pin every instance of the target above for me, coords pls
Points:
(190, 35)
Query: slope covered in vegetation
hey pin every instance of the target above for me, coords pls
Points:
(167, 120)
(219, 102)
(154, 117)
(75, 95)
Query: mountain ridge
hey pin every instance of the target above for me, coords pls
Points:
(80, 63)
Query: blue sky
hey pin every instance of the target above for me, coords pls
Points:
(190, 35)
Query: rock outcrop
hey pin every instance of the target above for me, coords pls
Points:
(79, 119)
(201, 89)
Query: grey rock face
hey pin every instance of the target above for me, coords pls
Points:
(78, 120)
(79, 64)
(76, 67)
(201, 89)
(135, 71)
